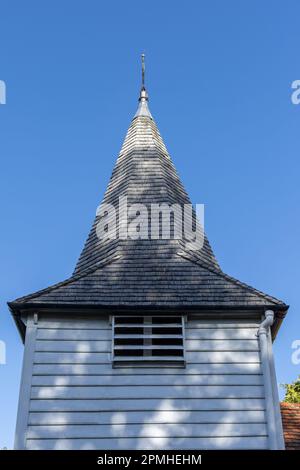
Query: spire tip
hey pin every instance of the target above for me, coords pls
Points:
(143, 71)
(143, 93)
(143, 109)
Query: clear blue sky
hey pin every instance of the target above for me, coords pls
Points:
(219, 76)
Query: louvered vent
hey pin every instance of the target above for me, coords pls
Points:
(148, 340)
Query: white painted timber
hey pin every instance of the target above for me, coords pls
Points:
(79, 401)
(150, 443)
(219, 333)
(165, 404)
(193, 357)
(134, 417)
(158, 430)
(74, 323)
(127, 379)
(73, 346)
(25, 386)
(156, 391)
(106, 369)
(105, 345)
(74, 335)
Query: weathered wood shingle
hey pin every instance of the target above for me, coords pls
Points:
(147, 272)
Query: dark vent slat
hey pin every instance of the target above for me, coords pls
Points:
(153, 336)
(155, 340)
(142, 325)
(169, 346)
(149, 358)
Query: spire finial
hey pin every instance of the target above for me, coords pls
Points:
(143, 109)
(143, 71)
(143, 93)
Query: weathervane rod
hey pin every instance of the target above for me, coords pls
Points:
(143, 71)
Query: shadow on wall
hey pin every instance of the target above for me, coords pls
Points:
(213, 404)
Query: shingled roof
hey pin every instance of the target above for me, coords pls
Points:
(141, 273)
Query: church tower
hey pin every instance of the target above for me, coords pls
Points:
(148, 344)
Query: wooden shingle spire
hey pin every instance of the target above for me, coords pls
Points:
(152, 272)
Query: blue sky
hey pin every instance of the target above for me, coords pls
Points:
(219, 76)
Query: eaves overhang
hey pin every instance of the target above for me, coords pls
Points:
(222, 311)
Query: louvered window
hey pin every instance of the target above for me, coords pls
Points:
(148, 340)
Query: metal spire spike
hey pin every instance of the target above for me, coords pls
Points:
(143, 71)
(143, 109)
(143, 93)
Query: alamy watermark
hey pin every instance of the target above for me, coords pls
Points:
(296, 353)
(295, 96)
(152, 221)
(2, 352)
(2, 92)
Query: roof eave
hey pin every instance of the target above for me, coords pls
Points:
(17, 309)
(21, 327)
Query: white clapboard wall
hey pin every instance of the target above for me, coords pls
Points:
(78, 401)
